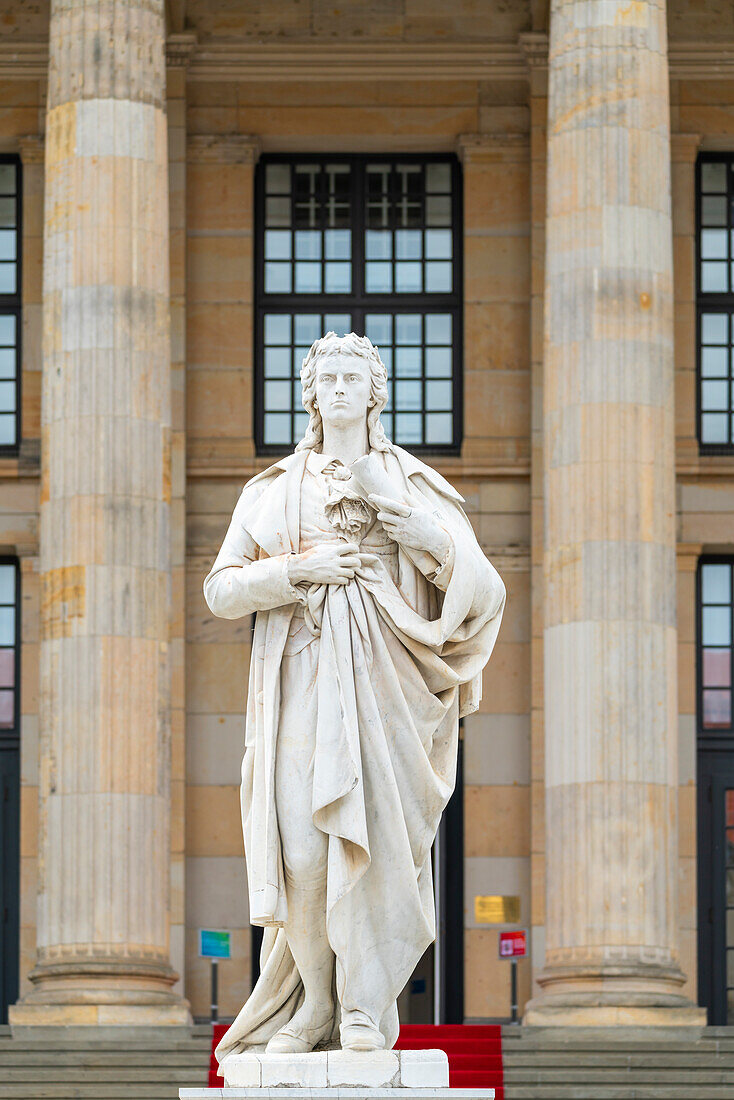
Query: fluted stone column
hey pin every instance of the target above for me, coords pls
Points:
(609, 617)
(103, 893)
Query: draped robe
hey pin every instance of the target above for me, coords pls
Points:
(398, 664)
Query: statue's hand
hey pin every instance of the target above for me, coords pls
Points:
(326, 563)
(412, 526)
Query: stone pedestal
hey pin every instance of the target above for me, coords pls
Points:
(610, 614)
(336, 1069)
(104, 847)
(348, 1093)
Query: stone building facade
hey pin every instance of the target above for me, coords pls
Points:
(593, 790)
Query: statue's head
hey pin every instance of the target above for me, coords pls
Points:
(349, 377)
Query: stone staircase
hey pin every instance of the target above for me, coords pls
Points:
(125, 1070)
(618, 1064)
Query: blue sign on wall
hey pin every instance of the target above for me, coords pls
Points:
(214, 943)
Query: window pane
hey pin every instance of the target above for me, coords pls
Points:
(408, 277)
(715, 328)
(7, 213)
(277, 428)
(7, 625)
(278, 395)
(714, 277)
(277, 244)
(299, 354)
(408, 395)
(714, 362)
(277, 278)
(713, 177)
(307, 328)
(408, 428)
(277, 362)
(7, 396)
(438, 328)
(7, 584)
(277, 328)
(7, 363)
(7, 668)
(408, 244)
(7, 709)
(438, 244)
(340, 323)
(308, 244)
(7, 329)
(386, 419)
(438, 277)
(713, 210)
(438, 177)
(7, 429)
(8, 238)
(308, 278)
(439, 395)
(408, 328)
(714, 244)
(716, 583)
(714, 428)
(716, 709)
(338, 244)
(378, 326)
(408, 362)
(277, 212)
(8, 179)
(438, 362)
(439, 428)
(716, 626)
(717, 667)
(715, 395)
(438, 210)
(7, 278)
(278, 178)
(379, 278)
(378, 245)
(338, 278)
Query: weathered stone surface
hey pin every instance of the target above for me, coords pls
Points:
(103, 888)
(609, 615)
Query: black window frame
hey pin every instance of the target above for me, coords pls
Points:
(358, 302)
(713, 301)
(10, 783)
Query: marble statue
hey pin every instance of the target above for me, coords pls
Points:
(376, 612)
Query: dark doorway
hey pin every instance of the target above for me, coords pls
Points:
(9, 875)
(716, 892)
(715, 759)
(9, 784)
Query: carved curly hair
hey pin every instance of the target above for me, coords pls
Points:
(331, 344)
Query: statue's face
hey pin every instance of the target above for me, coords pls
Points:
(343, 386)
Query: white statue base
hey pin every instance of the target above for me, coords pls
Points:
(335, 1074)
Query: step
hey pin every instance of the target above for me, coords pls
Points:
(615, 1058)
(622, 1092)
(652, 1076)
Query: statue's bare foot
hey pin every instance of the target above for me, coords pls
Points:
(300, 1035)
(360, 1035)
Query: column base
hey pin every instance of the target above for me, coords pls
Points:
(622, 994)
(538, 1014)
(100, 993)
(29, 1021)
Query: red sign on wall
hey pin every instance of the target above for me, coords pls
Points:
(513, 945)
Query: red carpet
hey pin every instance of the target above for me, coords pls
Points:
(474, 1051)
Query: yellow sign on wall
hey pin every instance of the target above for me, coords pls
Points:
(496, 909)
